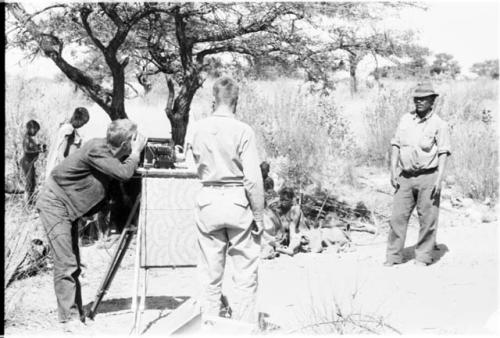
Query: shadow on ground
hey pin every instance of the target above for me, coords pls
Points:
(439, 251)
(152, 303)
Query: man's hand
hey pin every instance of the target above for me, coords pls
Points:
(436, 189)
(257, 228)
(394, 180)
(138, 143)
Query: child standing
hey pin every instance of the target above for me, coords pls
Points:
(67, 139)
(31, 150)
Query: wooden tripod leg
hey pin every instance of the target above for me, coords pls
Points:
(137, 269)
(142, 306)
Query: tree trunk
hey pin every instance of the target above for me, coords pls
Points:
(117, 109)
(178, 110)
(354, 80)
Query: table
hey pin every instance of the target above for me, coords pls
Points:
(166, 233)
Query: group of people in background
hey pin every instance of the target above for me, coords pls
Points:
(66, 141)
(227, 162)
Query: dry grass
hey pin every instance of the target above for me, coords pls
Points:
(305, 131)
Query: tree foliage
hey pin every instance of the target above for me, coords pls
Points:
(104, 47)
(444, 64)
(488, 68)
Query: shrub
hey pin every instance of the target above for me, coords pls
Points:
(474, 160)
(381, 122)
(306, 130)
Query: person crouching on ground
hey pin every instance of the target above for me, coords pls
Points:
(73, 189)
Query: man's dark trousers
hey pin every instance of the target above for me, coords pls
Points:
(62, 235)
(414, 190)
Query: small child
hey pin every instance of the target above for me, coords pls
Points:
(269, 192)
(31, 150)
(67, 139)
(268, 181)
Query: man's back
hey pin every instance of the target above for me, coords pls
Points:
(218, 144)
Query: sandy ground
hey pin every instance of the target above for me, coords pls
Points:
(456, 295)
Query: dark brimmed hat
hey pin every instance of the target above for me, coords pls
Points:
(424, 89)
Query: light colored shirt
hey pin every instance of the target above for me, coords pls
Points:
(225, 152)
(59, 144)
(421, 141)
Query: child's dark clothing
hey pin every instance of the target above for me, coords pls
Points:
(31, 150)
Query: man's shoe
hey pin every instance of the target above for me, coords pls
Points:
(389, 263)
(420, 263)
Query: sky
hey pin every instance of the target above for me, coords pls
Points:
(469, 30)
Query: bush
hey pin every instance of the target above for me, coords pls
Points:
(474, 160)
(381, 123)
(306, 131)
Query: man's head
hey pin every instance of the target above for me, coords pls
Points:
(226, 92)
(119, 136)
(264, 168)
(286, 199)
(79, 118)
(423, 97)
(32, 127)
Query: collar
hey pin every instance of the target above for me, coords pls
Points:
(422, 119)
(223, 111)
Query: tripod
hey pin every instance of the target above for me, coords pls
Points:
(125, 239)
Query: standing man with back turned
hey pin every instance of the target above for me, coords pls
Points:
(229, 208)
(420, 148)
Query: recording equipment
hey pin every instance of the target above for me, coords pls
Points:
(158, 153)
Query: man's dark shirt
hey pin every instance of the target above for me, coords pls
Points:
(82, 178)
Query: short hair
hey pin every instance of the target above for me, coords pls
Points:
(120, 131)
(286, 194)
(80, 115)
(226, 91)
(32, 124)
(264, 166)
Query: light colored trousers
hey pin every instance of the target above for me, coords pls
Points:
(224, 218)
(414, 191)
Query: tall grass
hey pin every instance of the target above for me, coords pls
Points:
(306, 132)
(381, 120)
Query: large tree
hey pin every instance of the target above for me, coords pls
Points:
(102, 29)
(180, 44)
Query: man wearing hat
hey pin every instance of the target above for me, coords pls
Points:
(420, 148)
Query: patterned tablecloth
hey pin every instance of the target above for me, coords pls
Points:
(167, 217)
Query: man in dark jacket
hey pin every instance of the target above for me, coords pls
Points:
(73, 189)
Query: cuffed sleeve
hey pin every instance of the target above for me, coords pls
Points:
(252, 175)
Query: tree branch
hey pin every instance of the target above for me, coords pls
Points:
(171, 95)
(84, 15)
(46, 43)
(241, 49)
(253, 27)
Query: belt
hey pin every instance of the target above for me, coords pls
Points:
(418, 172)
(221, 185)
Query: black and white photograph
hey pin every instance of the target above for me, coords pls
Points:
(251, 168)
